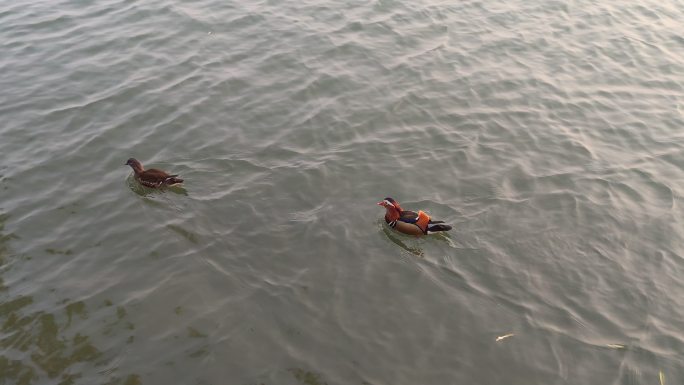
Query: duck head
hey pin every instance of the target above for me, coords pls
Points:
(393, 210)
(135, 164)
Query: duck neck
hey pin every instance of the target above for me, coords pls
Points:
(137, 167)
(391, 214)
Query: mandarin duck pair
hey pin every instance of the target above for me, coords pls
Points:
(404, 221)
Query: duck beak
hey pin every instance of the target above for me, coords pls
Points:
(381, 203)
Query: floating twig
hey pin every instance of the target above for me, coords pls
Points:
(499, 338)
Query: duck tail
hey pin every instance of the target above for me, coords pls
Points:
(431, 221)
(434, 228)
(172, 180)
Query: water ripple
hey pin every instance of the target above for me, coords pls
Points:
(547, 133)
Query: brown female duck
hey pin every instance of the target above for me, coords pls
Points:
(152, 178)
(410, 222)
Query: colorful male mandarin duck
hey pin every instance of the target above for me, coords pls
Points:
(409, 222)
(152, 178)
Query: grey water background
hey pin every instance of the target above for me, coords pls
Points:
(548, 133)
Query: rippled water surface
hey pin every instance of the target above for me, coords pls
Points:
(549, 134)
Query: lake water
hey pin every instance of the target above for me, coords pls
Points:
(550, 134)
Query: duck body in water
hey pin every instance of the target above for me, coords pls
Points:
(152, 178)
(410, 222)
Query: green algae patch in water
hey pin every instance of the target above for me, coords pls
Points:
(37, 344)
(76, 308)
(306, 377)
(194, 333)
